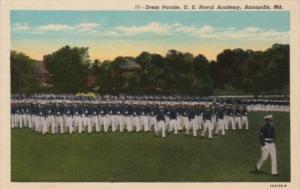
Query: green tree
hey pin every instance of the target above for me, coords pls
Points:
(277, 71)
(69, 66)
(230, 69)
(255, 80)
(202, 71)
(23, 78)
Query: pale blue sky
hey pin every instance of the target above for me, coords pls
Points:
(127, 33)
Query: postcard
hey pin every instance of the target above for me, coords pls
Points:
(167, 94)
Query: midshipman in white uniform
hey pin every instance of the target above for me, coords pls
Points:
(220, 121)
(68, 118)
(161, 125)
(50, 119)
(207, 118)
(268, 147)
(94, 120)
(230, 119)
(237, 117)
(245, 117)
(59, 121)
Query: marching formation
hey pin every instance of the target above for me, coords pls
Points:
(69, 118)
(253, 105)
(268, 105)
(195, 116)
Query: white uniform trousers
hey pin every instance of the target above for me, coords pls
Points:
(27, 121)
(173, 125)
(161, 127)
(13, 120)
(69, 123)
(78, 123)
(136, 123)
(20, 120)
(213, 121)
(245, 121)
(167, 123)
(180, 122)
(269, 148)
(51, 123)
(128, 122)
(117, 122)
(167, 120)
(194, 126)
(87, 123)
(207, 126)
(110, 121)
(144, 123)
(32, 121)
(114, 123)
(220, 126)
(152, 122)
(238, 121)
(188, 127)
(24, 120)
(36, 122)
(43, 124)
(59, 123)
(95, 123)
(185, 121)
(100, 121)
(105, 121)
(226, 122)
(16, 121)
(120, 122)
(231, 121)
(199, 121)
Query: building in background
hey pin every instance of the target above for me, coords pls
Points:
(43, 76)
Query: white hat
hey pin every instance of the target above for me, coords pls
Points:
(268, 117)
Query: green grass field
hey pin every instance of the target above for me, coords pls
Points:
(141, 157)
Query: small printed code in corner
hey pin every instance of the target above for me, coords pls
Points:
(278, 185)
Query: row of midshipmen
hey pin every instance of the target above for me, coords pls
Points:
(113, 98)
(252, 104)
(267, 105)
(61, 118)
(161, 98)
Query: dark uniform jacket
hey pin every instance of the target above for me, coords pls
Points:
(160, 114)
(207, 115)
(191, 114)
(173, 114)
(237, 112)
(266, 134)
(230, 112)
(244, 112)
(220, 114)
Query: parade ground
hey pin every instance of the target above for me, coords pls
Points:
(141, 157)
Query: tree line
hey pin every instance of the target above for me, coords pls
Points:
(233, 71)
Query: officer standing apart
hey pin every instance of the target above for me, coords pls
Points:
(266, 136)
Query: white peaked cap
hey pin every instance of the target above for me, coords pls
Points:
(268, 117)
